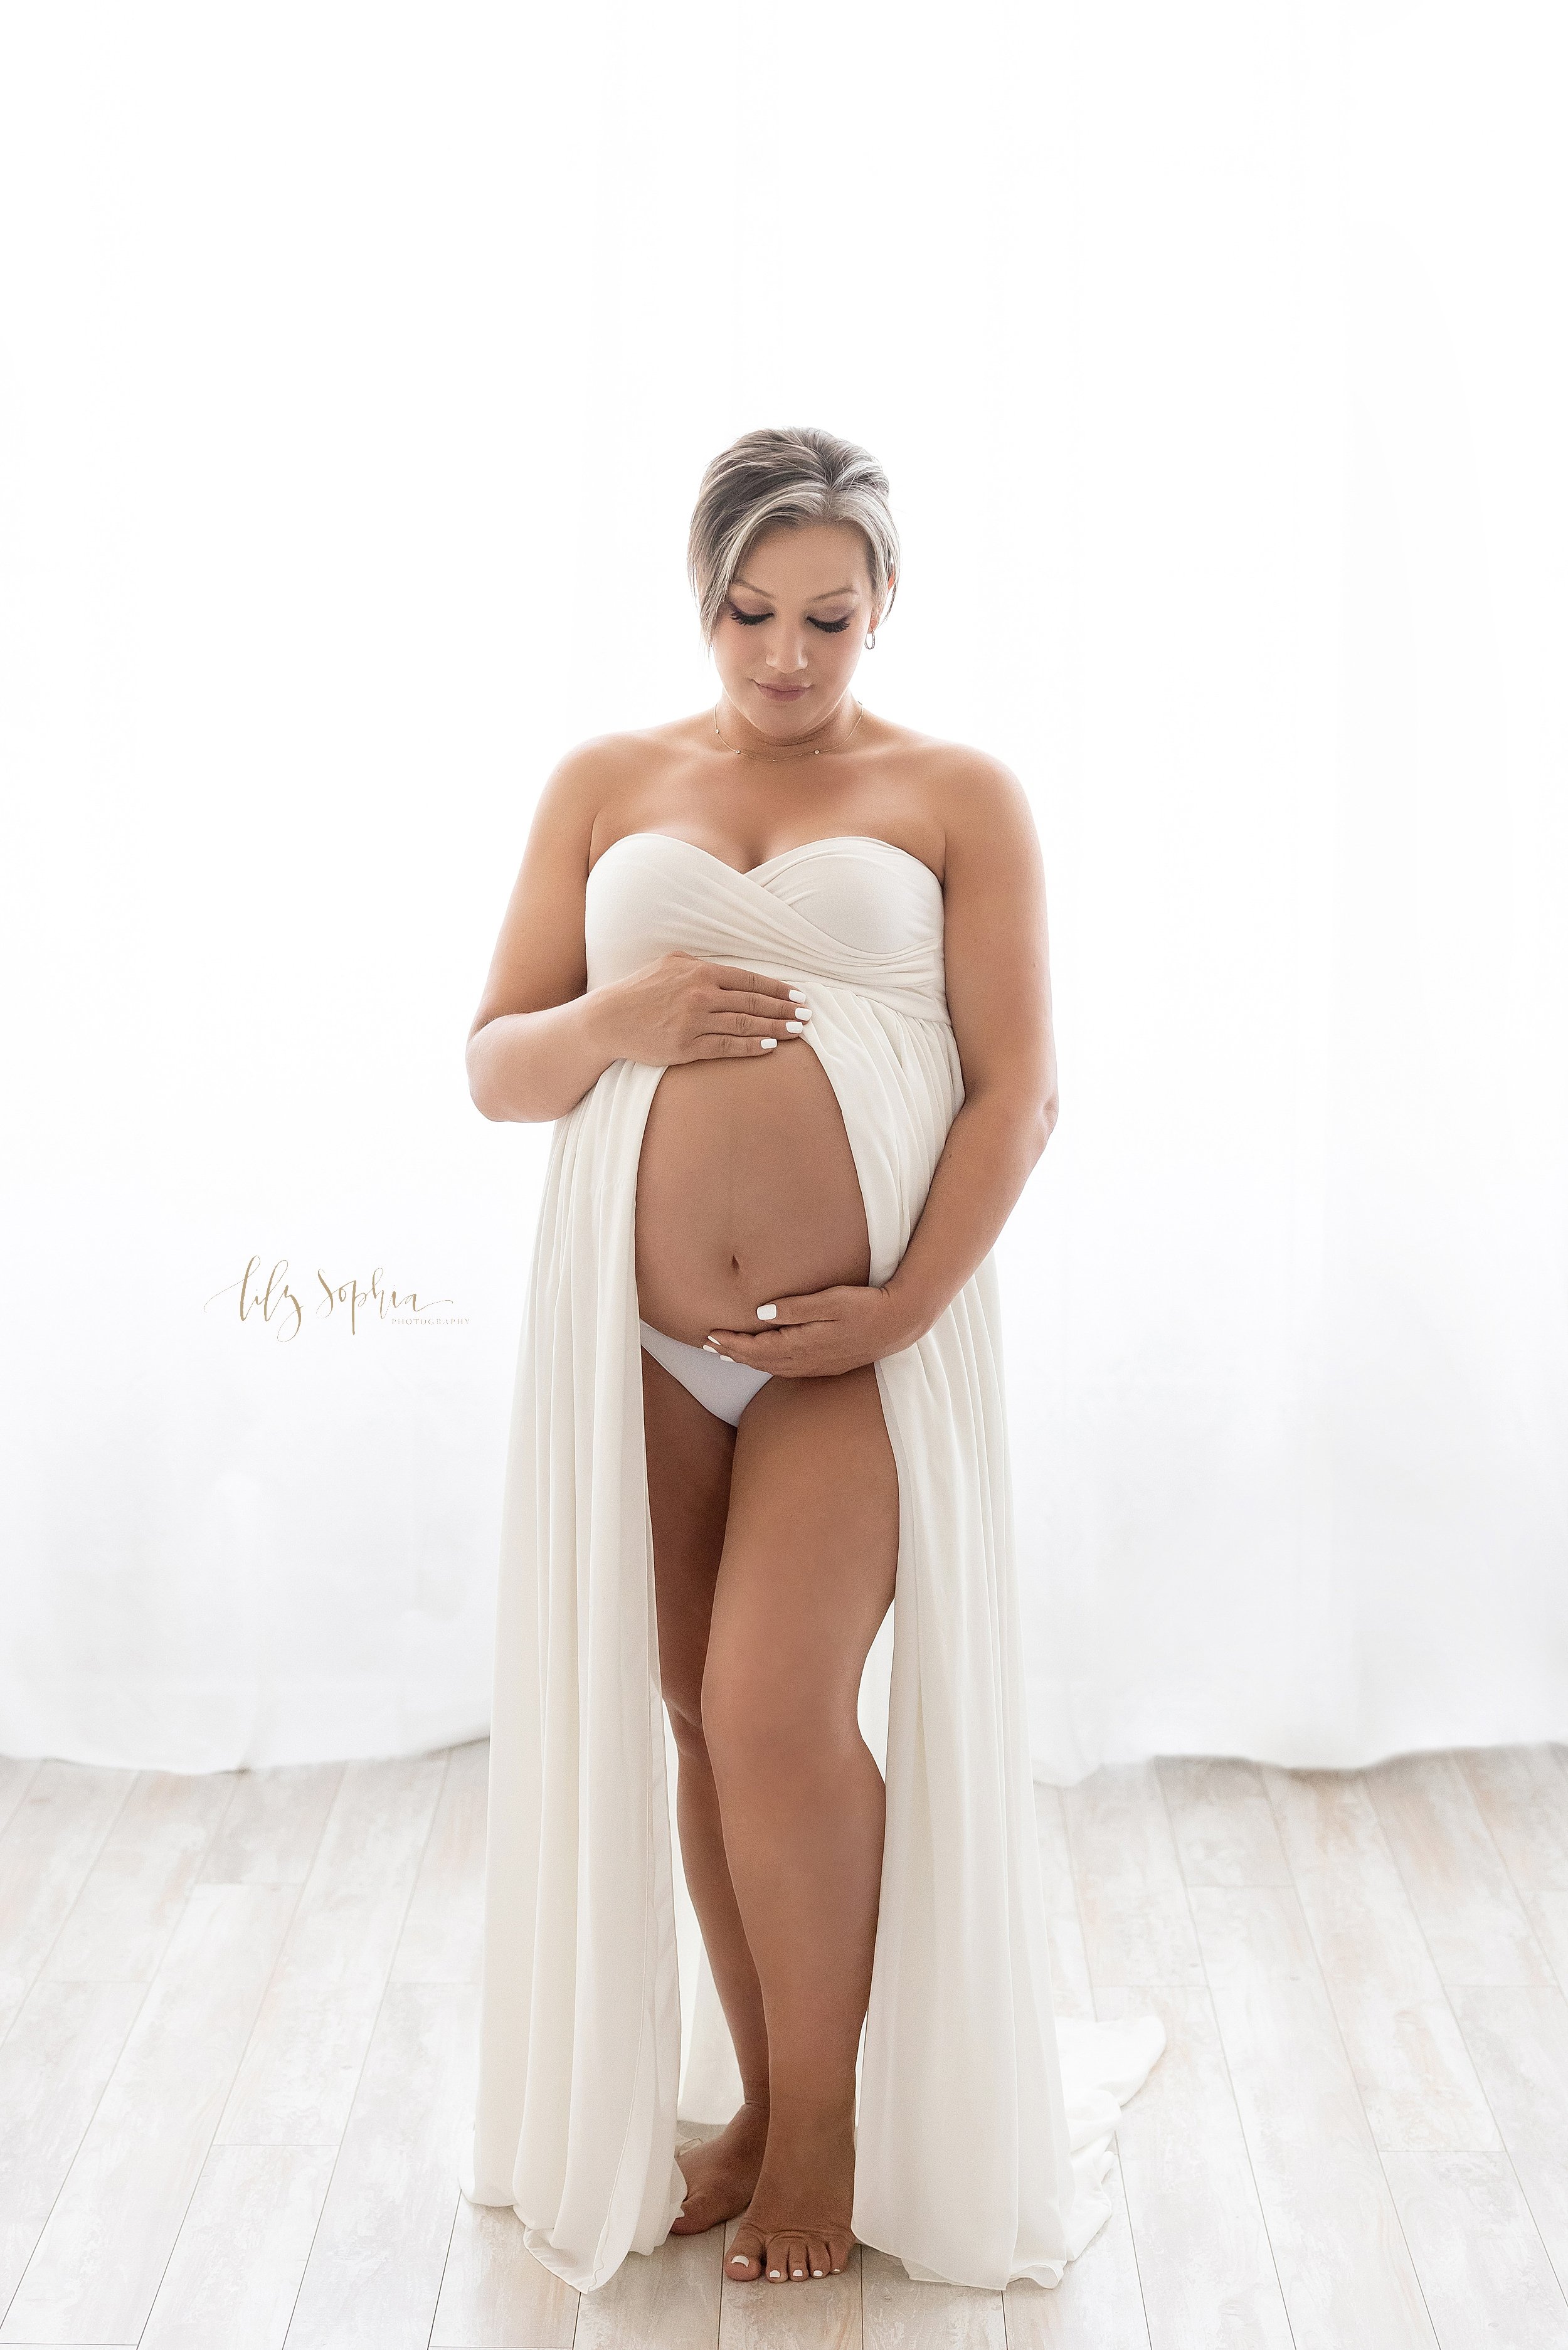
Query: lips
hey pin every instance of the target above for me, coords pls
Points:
(780, 692)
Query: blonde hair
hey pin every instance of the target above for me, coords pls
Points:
(785, 476)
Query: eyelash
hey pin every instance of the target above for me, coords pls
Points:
(756, 619)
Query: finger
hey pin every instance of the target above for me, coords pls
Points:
(734, 1048)
(735, 1003)
(792, 1355)
(745, 1346)
(728, 1020)
(754, 982)
(779, 1311)
(765, 1350)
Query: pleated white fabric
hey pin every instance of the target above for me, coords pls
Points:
(983, 2127)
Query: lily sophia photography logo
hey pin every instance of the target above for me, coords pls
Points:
(272, 1303)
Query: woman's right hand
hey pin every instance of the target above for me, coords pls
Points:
(683, 1009)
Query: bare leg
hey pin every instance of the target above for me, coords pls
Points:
(806, 1577)
(688, 1458)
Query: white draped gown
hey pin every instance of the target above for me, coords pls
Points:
(983, 2124)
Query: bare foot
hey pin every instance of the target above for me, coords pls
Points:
(721, 2172)
(797, 2222)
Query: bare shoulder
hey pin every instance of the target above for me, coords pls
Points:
(977, 800)
(590, 779)
(582, 778)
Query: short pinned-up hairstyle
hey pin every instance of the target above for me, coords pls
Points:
(784, 477)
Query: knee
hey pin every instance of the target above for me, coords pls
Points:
(765, 1721)
(685, 1707)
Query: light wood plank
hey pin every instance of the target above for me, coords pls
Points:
(1204, 2258)
(274, 1824)
(1071, 1991)
(50, 1842)
(374, 2274)
(898, 2314)
(99, 2258)
(121, 1921)
(53, 2066)
(1138, 1927)
(443, 1937)
(235, 2273)
(297, 2081)
(1474, 1924)
(1522, 1793)
(1415, 2074)
(1222, 1823)
(1548, 1915)
(1518, 2036)
(1097, 2305)
(496, 2294)
(380, 1817)
(1542, 2174)
(762, 2316)
(1056, 1859)
(296, 2085)
(1343, 2264)
(669, 2298)
(1477, 2250)
(16, 1778)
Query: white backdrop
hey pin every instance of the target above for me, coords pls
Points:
(357, 372)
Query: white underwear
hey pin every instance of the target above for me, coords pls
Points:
(722, 1387)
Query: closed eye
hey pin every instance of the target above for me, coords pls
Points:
(756, 619)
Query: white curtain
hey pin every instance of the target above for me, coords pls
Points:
(357, 372)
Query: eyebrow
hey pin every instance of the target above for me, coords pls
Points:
(820, 598)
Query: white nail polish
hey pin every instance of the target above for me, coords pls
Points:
(767, 1313)
(709, 1347)
(726, 1358)
(794, 1026)
(770, 1043)
(795, 996)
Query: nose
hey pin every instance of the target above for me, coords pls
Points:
(781, 651)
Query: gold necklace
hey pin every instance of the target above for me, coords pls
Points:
(816, 748)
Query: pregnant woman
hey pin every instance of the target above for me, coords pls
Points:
(778, 971)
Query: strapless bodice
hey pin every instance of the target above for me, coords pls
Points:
(852, 910)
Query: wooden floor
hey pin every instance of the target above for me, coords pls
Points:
(238, 2018)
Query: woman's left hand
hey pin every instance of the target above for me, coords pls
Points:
(819, 1336)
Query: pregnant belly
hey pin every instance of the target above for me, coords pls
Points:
(746, 1191)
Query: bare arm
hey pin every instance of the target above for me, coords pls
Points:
(999, 999)
(539, 1040)
(541, 1035)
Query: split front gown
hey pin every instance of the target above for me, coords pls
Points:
(983, 2123)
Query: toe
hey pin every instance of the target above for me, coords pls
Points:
(840, 2248)
(795, 2263)
(743, 2260)
(818, 2258)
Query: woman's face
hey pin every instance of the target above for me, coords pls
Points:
(793, 628)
